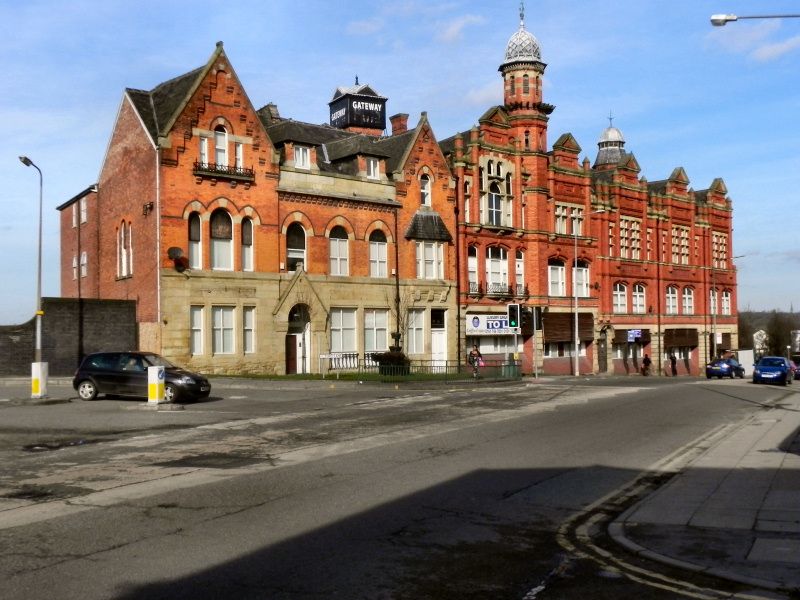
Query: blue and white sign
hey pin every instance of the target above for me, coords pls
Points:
(634, 334)
(488, 325)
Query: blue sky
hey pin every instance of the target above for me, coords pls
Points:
(720, 102)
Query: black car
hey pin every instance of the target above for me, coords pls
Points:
(724, 367)
(125, 374)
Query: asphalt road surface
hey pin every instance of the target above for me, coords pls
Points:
(365, 492)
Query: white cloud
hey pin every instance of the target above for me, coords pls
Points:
(771, 51)
(365, 27)
(485, 96)
(454, 29)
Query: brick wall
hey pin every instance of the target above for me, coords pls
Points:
(70, 327)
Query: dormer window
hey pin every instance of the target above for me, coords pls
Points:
(373, 168)
(425, 190)
(302, 157)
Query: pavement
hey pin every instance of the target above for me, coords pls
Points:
(732, 511)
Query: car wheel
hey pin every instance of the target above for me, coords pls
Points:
(87, 390)
(170, 393)
(708, 376)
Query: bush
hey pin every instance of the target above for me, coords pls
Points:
(392, 362)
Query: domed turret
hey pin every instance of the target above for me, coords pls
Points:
(522, 46)
(611, 146)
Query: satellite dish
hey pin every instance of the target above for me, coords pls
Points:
(174, 252)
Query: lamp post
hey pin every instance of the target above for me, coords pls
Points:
(577, 341)
(39, 373)
(722, 20)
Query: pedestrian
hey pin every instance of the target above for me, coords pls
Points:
(646, 362)
(475, 359)
(673, 363)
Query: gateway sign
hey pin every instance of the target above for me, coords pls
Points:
(488, 325)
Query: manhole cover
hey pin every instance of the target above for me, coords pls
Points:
(211, 461)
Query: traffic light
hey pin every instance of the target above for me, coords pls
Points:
(513, 315)
(526, 320)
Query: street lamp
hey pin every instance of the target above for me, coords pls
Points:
(722, 20)
(37, 389)
(577, 341)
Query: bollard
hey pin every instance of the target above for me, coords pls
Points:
(155, 385)
(39, 380)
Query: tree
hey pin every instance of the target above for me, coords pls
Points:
(778, 330)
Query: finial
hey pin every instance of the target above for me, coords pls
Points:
(610, 119)
(356, 79)
(522, 14)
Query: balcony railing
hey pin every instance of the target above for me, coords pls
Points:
(498, 289)
(474, 288)
(521, 290)
(226, 171)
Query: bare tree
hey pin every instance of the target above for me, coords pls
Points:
(400, 307)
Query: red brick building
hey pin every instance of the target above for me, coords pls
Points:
(615, 266)
(255, 243)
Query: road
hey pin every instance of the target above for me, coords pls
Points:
(344, 492)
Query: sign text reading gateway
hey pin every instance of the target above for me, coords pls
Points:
(347, 111)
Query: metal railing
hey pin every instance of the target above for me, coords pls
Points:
(216, 170)
(351, 365)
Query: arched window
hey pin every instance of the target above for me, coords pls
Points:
(295, 247)
(425, 190)
(247, 244)
(220, 146)
(490, 168)
(195, 247)
(688, 301)
(467, 201)
(494, 205)
(512, 85)
(338, 251)
(377, 254)
(713, 301)
(526, 86)
(580, 278)
(672, 300)
(620, 298)
(472, 269)
(124, 250)
(527, 140)
(498, 170)
(556, 272)
(508, 184)
(519, 272)
(639, 299)
(221, 241)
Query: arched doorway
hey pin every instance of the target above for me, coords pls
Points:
(298, 338)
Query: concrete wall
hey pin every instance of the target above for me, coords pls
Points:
(70, 328)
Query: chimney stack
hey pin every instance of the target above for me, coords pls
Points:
(399, 123)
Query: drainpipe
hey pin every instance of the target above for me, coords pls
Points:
(458, 279)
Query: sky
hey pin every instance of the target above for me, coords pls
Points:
(717, 101)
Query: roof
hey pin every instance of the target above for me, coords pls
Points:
(428, 225)
(159, 107)
(356, 90)
(395, 148)
(76, 197)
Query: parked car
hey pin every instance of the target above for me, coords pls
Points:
(796, 369)
(125, 374)
(773, 369)
(724, 367)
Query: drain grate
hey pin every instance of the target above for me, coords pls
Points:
(212, 461)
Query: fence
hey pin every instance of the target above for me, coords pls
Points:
(351, 365)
